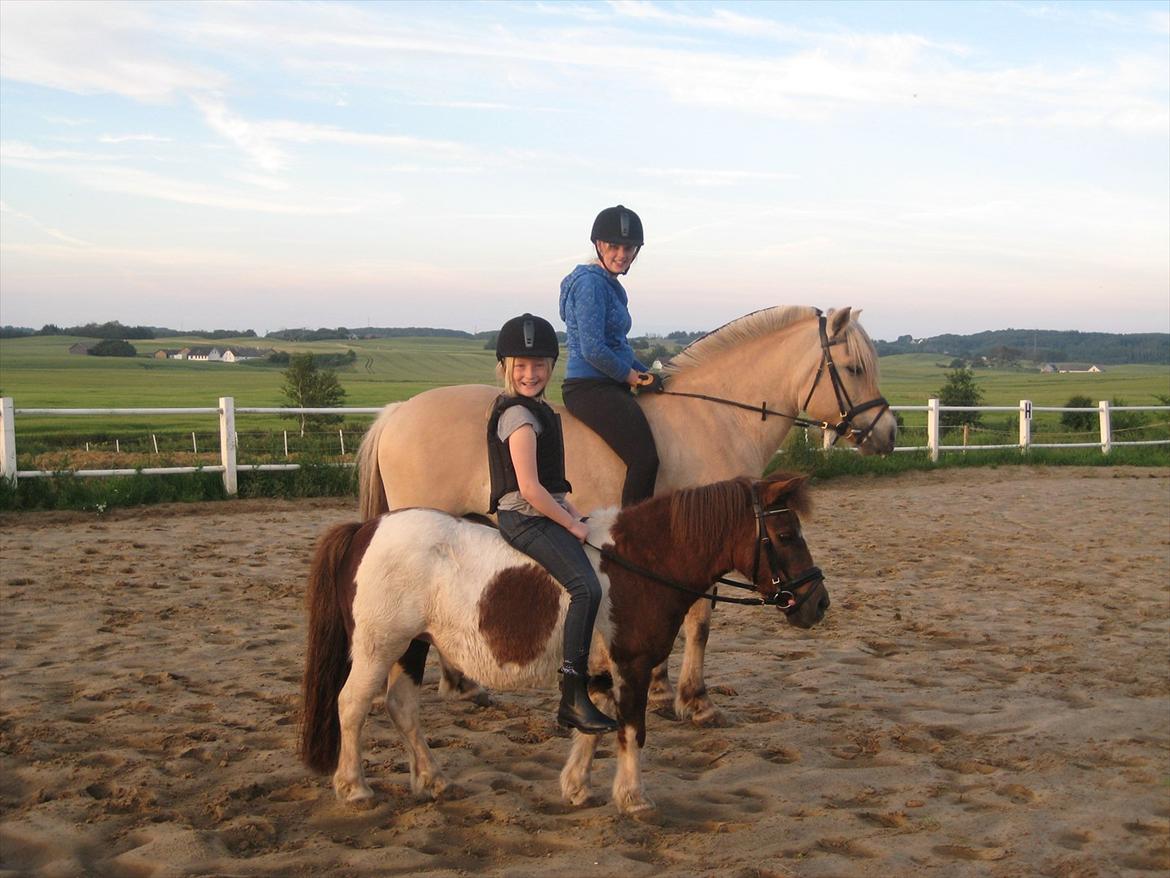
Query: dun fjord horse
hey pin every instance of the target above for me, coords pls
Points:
(378, 589)
(430, 450)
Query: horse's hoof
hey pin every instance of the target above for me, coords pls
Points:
(357, 795)
(578, 796)
(637, 807)
(436, 787)
(701, 713)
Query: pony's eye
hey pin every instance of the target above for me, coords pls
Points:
(854, 370)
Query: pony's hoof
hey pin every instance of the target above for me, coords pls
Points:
(577, 796)
(357, 795)
(702, 713)
(636, 806)
(436, 787)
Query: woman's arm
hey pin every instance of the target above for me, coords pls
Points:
(522, 443)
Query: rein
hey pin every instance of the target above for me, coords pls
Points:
(845, 407)
(786, 598)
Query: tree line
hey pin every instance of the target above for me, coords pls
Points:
(1039, 345)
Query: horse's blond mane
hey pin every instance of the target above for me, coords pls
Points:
(765, 322)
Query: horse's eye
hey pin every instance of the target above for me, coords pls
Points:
(855, 370)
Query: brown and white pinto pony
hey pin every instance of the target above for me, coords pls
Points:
(429, 450)
(380, 589)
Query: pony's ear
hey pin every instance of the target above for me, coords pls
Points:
(838, 320)
(786, 485)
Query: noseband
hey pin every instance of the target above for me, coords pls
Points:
(845, 407)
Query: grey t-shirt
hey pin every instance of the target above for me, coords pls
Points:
(512, 419)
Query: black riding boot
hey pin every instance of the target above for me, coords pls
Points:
(577, 711)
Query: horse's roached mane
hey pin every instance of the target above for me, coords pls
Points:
(693, 510)
(764, 322)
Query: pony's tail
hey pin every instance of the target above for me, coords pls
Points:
(327, 656)
(372, 500)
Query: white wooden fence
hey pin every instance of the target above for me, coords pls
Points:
(229, 466)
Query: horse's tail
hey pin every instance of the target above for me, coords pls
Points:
(327, 656)
(372, 500)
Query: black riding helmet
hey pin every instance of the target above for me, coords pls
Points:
(527, 336)
(617, 225)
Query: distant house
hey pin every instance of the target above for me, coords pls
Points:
(166, 354)
(1070, 367)
(81, 347)
(235, 354)
(201, 354)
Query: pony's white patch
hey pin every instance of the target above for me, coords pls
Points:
(425, 572)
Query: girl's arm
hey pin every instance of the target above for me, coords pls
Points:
(522, 443)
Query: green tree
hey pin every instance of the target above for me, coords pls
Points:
(960, 389)
(113, 347)
(1079, 422)
(307, 386)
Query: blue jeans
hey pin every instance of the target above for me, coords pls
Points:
(562, 555)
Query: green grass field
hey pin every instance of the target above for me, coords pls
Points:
(39, 372)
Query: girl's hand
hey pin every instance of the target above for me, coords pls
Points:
(579, 529)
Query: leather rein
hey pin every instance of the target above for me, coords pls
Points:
(845, 407)
(787, 598)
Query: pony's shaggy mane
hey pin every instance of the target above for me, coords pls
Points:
(764, 322)
(692, 510)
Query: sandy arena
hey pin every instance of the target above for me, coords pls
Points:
(988, 696)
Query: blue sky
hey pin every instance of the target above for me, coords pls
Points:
(947, 167)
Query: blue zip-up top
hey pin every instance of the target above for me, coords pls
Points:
(593, 306)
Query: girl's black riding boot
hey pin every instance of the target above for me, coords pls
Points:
(576, 710)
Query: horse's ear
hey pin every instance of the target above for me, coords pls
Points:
(838, 320)
(786, 485)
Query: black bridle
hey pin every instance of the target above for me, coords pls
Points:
(787, 594)
(845, 408)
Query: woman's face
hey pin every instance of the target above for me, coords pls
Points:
(530, 375)
(616, 258)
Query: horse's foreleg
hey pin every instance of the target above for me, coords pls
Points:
(692, 701)
(661, 694)
(632, 685)
(366, 679)
(576, 776)
(426, 778)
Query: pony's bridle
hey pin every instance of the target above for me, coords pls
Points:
(785, 596)
(845, 407)
(792, 601)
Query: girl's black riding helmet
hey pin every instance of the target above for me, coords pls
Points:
(527, 336)
(617, 225)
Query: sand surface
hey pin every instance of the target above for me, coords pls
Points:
(988, 696)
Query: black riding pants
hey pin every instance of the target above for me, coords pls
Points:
(609, 409)
(562, 555)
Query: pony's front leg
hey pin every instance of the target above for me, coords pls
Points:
(576, 776)
(692, 701)
(633, 684)
(426, 778)
(366, 678)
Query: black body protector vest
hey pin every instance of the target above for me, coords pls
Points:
(550, 450)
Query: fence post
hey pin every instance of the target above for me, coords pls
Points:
(7, 439)
(227, 442)
(1025, 424)
(932, 431)
(1106, 426)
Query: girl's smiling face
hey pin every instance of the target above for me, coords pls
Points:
(530, 375)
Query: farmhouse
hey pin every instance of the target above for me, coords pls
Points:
(81, 347)
(233, 354)
(1070, 367)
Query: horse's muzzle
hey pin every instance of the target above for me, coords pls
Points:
(813, 609)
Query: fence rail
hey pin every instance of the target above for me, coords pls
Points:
(230, 466)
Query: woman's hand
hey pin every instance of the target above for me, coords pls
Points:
(579, 529)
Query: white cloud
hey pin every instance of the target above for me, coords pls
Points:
(92, 48)
(133, 138)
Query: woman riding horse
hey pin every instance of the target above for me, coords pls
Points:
(602, 368)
